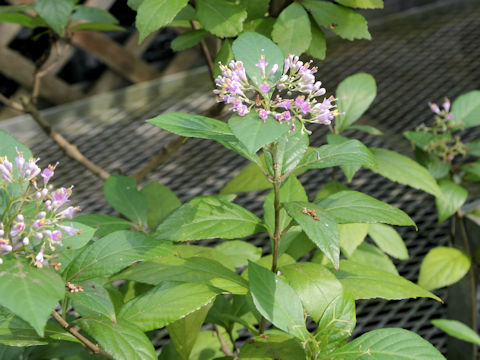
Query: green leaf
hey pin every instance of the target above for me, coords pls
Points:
(362, 4)
(122, 195)
(254, 133)
(388, 344)
(195, 269)
(421, 138)
(161, 201)
(224, 56)
(16, 332)
(292, 30)
(134, 4)
(120, 339)
(350, 169)
(274, 345)
(83, 236)
(296, 243)
(466, 109)
(472, 171)
(457, 329)
(155, 14)
(473, 147)
(104, 224)
(239, 252)
(319, 226)
(365, 282)
(314, 284)
(8, 144)
(404, 170)
(355, 207)
(351, 152)
(188, 39)
(30, 293)
(17, 18)
(96, 26)
(354, 94)
(331, 187)
(370, 255)
(15, 8)
(190, 125)
(454, 196)
(291, 190)
(93, 14)
(388, 239)
(166, 303)
(248, 48)
(435, 166)
(220, 17)
(443, 266)
(126, 247)
(367, 129)
(262, 26)
(250, 178)
(336, 324)
(255, 8)
(55, 12)
(208, 217)
(277, 301)
(93, 300)
(351, 236)
(343, 21)
(318, 44)
(184, 332)
(10, 352)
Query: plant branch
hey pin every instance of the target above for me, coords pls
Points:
(88, 344)
(277, 206)
(11, 103)
(223, 345)
(205, 51)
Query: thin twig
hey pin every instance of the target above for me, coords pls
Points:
(11, 103)
(223, 345)
(93, 347)
(205, 51)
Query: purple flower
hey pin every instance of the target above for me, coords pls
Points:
(48, 172)
(264, 88)
(263, 114)
(69, 212)
(5, 169)
(31, 169)
(39, 259)
(262, 64)
(70, 230)
(20, 161)
(434, 108)
(60, 196)
(286, 116)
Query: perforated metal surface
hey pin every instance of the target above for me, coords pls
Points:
(415, 58)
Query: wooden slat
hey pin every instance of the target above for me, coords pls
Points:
(115, 56)
(21, 70)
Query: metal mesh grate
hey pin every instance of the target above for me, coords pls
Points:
(415, 58)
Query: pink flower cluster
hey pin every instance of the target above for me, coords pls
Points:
(293, 96)
(33, 222)
(445, 112)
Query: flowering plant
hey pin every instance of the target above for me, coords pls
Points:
(143, 273)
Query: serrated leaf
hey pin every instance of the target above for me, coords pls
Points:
(254, 132)
(190, 125)
(443, 266)
(435, 166)
(55, 12)
(277, 301)
(331, 187)
(255, 8)
(349, 169)
(30, 293)
(291, 190)
(367, 129)
(314, 284)
(274, 345)
(404, 170)
(122, 194)
(188, 39)
(351, 152)
(318, 44)
(250, 178)
(454, 196)
(161, 201)
(120, 339)
(80, 239)
(457, 329)
(126, 247)
(93, 300)
(355, 207)
(343, 21)
(466, 109)
(292, 30)
(362, 4)
(208, 217)
(319, 226)
(336, 323)
(388, 344)
(155, 14)
(351, 236)
(104, 224)
(239, 252)
(354, 94)
(365, 282)
(224, 56)
(221, 18)
(422, 139)
(166, 303)
(388, 239)
(370, 255)
(93, 14)
(196, 269)
(248, 48)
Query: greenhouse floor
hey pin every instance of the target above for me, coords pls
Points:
(415, 57)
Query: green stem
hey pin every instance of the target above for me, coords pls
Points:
(277, 235)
